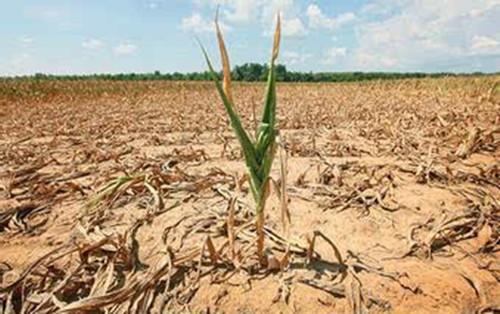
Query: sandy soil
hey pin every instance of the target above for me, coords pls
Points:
(402, 176)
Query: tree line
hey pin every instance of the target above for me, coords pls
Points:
(253, 72)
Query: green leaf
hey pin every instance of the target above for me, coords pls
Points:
(241, 134)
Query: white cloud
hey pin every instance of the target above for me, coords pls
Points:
(125, 49)
(293, 58)
(289, 28)
(381, 8)
(435, 35)
(484, 43)
(345, 18)
(334, 54)
(235, 11)
(293, 28)
(317, 19)
(198, 24)
(92, 44)
(248, 11)
(287, 8)
(242, 11)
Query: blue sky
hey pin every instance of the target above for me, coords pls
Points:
(111, 36)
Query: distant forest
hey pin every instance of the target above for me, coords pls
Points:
(253, 72)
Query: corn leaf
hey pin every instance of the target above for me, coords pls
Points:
(226, 67)
(241, 134)
(270, 102)
(259, 156)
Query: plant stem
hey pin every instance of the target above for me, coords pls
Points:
(259, 224)
(260, 221)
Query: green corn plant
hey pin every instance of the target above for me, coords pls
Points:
(258, 154)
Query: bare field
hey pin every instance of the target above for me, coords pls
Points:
(115, 197)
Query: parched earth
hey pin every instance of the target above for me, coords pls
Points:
(131, 196)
